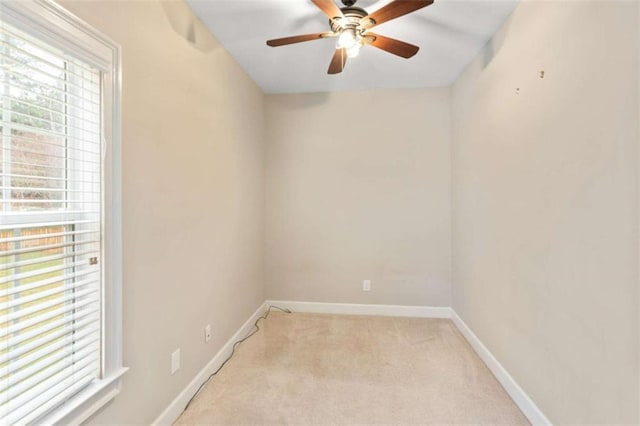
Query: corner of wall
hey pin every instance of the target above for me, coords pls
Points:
(638, 188)
(451, 198)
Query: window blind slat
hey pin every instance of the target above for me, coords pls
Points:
(44, 271)
(27, 219)
(32, 310)
(47, 316)
(86, 325)
(45, 235)
(48, 190)
(45, 123)
(49, 370)
(88, 149)
(43, 178)
(20, 288)
(48, 224)
(46, 259)
(47, 53)
(45, 328)
(60, 91)
(22, 373)
(46, 247)
(24, 300)
(36, 167)
(65, 201)
(25, 90)
(49, 350)
(17, 406)
(62, 150)
(45, 132)
(36, 89)
(11, 59)
(49, 398)
(66, 114)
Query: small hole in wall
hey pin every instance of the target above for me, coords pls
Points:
(517, 90)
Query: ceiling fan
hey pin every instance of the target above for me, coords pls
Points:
(352, 25)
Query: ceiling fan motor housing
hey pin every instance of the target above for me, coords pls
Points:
(350, 19)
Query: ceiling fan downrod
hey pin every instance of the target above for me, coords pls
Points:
(349, 3)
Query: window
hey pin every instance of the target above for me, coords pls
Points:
(59, 216)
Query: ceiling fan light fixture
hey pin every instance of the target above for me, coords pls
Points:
(354, 51)
(347, 39)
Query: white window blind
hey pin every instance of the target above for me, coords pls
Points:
(50, 226)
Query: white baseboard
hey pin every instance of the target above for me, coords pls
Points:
(175, 408)
(522, 400)
(358, 309)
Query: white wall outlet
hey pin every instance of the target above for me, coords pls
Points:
(366, 285)
(175, 361)
(207, 333)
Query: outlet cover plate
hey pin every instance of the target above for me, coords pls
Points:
(175, 361)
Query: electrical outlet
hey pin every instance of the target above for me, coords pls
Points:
(366, 285)
(207, 333)
(175, 361)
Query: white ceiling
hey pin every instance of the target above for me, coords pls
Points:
(450, 34)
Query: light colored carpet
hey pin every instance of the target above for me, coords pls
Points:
(337, 369)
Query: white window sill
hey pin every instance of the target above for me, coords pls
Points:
(82, 405)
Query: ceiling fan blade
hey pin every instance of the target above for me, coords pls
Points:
(338, 61)
(298, 39)
(329, 8)
(394, 46)
(393, 10)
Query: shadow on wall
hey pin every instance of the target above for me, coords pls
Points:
(445, 29)
(187, 26)
(302, 101)
(493, 46)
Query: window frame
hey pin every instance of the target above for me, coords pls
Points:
(53, 24)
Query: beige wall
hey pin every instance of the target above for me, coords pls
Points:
(544, 201)
(545, 206)
(193, 197)
(358, 187)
